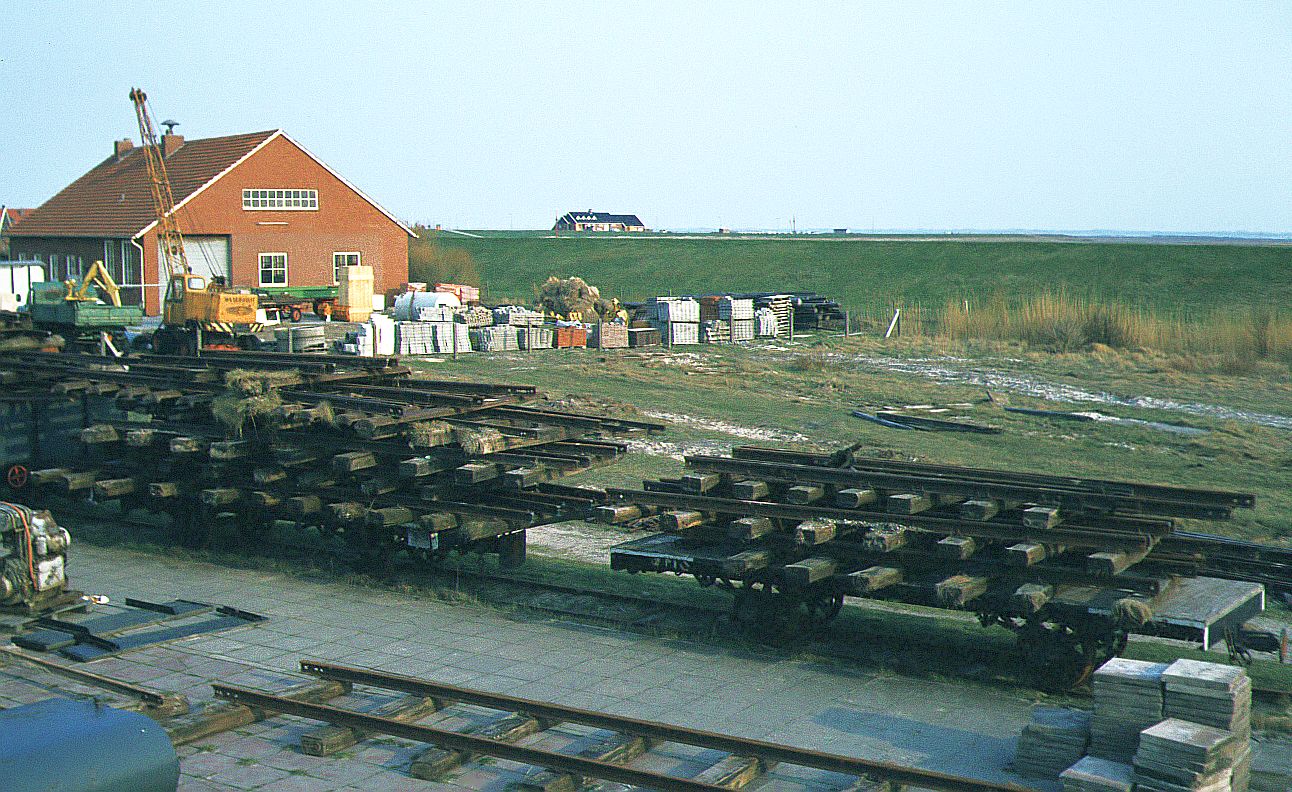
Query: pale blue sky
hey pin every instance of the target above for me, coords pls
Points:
(1132, 116)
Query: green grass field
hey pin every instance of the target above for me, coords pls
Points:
(865, 275)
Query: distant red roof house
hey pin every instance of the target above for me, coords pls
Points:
(10, 215)
(257, 209)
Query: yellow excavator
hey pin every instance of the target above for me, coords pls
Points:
(96, 276)
(198, 313)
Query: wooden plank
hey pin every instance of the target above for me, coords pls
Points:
(808, 571)
(216, 718)
(476, 472)
(163, 489)
(815, 532)
(804, 494)
(1029, 598)
(99, 434)
(353, 461)
(230, 449)
(908, 503)
(391, 515)
(114, 488)
(885, 541)
(264, 476)
(141, 438)
(327, 740)
(304, 505)
(980, 510)
(699, 483)
(854, 498)
(220, 496)
(732, 772)
(959, 590)
(872, 579)
(1041, 517)
(1108, 564)
(749, 528)
(346, 513)
(681, 520)
(748, 561)
(184, 446)
(617, 514)
(74, 481)
(46, 476)
(957, 548)
(1026, 554)
(750, 489)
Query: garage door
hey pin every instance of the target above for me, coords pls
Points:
(207, 256)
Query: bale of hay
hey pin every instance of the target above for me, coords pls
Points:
(235, 410)
(1131, 612)
(253, 382)
(569, 295)
(478, 441)
(429, 434)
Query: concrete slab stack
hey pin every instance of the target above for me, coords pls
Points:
(1093, 774)
(535, 337)
(1210, 694)
(1128, 699)
(499, 338)
(1056, 739)
(517, 316)
(1179, 756)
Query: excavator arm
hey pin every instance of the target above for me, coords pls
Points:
(96, 276)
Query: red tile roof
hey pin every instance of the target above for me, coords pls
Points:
(114, 198)
(10, 215)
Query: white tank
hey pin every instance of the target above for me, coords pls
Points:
(409, 303)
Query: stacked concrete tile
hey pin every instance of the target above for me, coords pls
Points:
(1093, 774)
(499, 338)
(1128, 699)
(1179, 756)
(1211, 694)
(1055, 739)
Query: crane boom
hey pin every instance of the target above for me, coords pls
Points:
(168, 234)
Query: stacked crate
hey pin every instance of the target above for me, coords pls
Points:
(532, 337)
(571, 337)
(676, 318)
(517, 316)
(782, 307)
(715, 331)
(415, 338)
(608, 336)
(643, 337)
(740, 314)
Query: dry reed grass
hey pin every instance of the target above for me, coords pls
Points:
(1226, 341)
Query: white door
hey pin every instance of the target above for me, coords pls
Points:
(207, 256)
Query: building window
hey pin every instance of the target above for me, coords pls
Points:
(340, 260)
(273, 269)
(289, 200)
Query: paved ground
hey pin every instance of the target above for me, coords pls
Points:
(950, 727)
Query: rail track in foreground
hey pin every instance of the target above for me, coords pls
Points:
(604, 747)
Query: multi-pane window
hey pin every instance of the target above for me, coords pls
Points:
(122, 262)
(273, 269)
(340, 260)
(298, 200)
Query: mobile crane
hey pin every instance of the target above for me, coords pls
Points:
(197, 313)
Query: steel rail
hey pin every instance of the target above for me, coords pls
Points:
(1050, 495)
(738, 746)
(1095, 486)
(468, 743)
(150, 697)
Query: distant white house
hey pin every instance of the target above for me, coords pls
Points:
(598, 221)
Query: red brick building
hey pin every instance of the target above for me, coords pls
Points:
(257, 209)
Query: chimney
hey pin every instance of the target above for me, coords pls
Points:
(121, 147)
(170, 143)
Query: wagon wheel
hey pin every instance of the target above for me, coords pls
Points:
(1055, 660)
(323, 309)
(297, 314)
(749, 605)
(821, 607)
(17, 476)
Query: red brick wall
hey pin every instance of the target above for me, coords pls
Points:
(344, 222)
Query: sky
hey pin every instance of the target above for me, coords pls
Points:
(1142, 117)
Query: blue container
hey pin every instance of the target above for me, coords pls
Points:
(61, 745)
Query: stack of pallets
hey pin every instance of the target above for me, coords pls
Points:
(608, 336)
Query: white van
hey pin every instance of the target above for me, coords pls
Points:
(16, 278)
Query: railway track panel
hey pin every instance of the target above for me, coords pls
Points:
(354, 449)
(549, 746)
(1073, 566)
